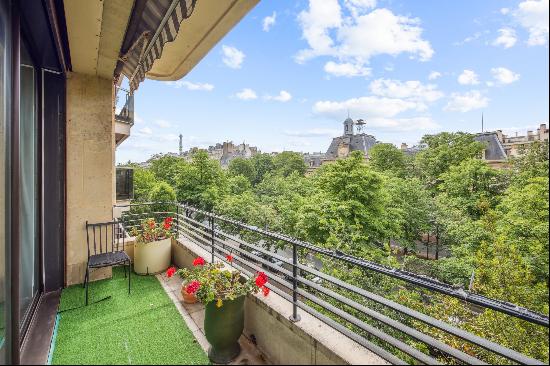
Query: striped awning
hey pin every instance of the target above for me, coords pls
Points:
(153, 23)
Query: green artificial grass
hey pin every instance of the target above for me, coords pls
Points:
(142, 328)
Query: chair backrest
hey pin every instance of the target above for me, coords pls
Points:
(104, 237)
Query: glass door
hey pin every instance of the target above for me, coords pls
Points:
(29, 275)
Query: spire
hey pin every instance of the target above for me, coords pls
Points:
(181, 144)
(482, 123)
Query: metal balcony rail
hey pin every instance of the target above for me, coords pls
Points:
(297, 280)
(124, 114)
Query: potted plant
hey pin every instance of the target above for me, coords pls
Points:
(223, 292)
(153, 246)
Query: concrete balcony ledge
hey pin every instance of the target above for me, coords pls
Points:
(277, 340)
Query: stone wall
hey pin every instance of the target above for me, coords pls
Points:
(90, 166)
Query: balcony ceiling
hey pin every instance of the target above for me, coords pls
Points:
(210, 22)
(95, 31)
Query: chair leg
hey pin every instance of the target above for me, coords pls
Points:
(86, 283)
(129, 275)
(125, 271)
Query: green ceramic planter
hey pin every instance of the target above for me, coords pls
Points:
(223, 326)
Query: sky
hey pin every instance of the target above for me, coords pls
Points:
(286, 76)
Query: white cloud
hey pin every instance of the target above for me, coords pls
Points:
(283, 96)
(146, 131)
(247, 94)
(465, 102)
(371, 106)
(434, 75)
(533, 16)
(346, 69)
(468, 77)
(507, 38)
(411, 90)
(379, 112)
(504, 76)
(361, 35)
(469, 39)
(505, 11)
(191, 85)
(269, 22)
(163, 123)
(232, 57)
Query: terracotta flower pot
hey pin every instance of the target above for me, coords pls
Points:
(223, 327)
(187, 298)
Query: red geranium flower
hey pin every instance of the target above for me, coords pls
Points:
(152, 224)
(229, 258)
(166, 226)
(261, 280)
(170, 272)
(199, 262)
(168, 220)
(265, 290)
(193, 287)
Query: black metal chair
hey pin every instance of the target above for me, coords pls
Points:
(104, 249)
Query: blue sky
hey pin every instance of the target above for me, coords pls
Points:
(286, 76)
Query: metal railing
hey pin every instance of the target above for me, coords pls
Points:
(379, 324)
(124, 113)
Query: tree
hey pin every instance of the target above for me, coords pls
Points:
(523, 222)
(144, 181)
(346, 212)
(444, 150)
(409, 206)
(202, 182)
(289, 162)
(238, 184)
(166, 168)
(532, 162)
(473, 185)
(243, 167)
(163, 193)
(263, 164)
(386, 158)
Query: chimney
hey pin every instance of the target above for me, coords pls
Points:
(404, 146)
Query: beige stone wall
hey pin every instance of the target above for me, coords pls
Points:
(90, 166)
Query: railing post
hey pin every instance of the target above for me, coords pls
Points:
(177, 220)
(212, 236)
(294, 317)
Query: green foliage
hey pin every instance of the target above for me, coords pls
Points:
(444, 151)
(166, 168)
(202, 182)
(263, 164)
(346, 212)
(523, 222)
(473, 186)
(243, 167)
(144, 181)
(289, 162)
(532, 162)
(386, 158)
(238, 184)
(162, 192)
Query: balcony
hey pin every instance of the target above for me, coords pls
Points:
(124, 115)
(310, 316)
